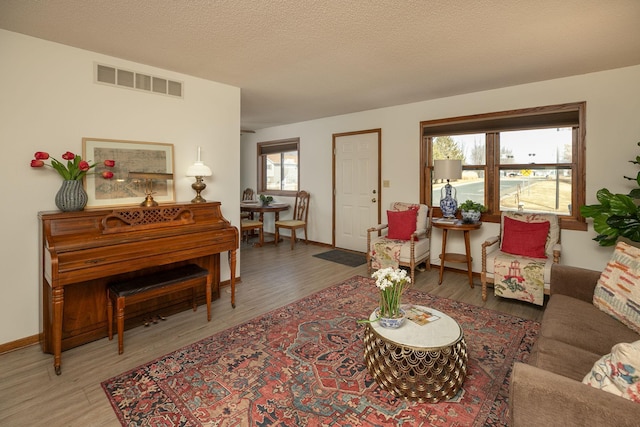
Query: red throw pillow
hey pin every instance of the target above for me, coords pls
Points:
(402, 224)
(525, 238)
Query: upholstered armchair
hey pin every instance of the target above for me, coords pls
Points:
(518, 261)
(405, 240)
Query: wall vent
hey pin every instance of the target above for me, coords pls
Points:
(106, 74)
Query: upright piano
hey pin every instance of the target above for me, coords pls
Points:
(82, 252)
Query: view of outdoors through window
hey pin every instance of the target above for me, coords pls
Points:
(282, 171)
(533, 168)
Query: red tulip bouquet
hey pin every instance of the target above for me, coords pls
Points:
(74, 170)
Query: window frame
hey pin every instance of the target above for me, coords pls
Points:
(491, 124)
(273, 147)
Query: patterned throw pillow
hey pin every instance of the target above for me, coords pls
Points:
(617, 372)
(618, 290)
(402, 224)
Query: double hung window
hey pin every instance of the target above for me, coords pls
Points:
(530, 160)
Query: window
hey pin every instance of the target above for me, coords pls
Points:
(278, 171)
(531, 160)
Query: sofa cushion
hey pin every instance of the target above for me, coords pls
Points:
(618, 290)
(562, 358)
(581, 324)
(618, 371)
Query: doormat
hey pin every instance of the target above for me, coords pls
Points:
(351, 259)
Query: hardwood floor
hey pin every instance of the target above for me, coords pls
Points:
(32, 395)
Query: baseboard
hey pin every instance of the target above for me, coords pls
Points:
(18, 344)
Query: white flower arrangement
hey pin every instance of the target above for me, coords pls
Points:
(392, 282)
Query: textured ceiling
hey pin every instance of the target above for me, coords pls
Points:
(297, 60)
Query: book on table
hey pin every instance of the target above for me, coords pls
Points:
(420, 315)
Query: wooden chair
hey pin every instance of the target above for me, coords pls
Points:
(299, 219)
(247, 194)
(492, 247)
(248, 225)
(409, 253)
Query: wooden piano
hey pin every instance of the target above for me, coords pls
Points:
(81, 252)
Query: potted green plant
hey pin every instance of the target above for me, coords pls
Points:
(265, 200)
(471, 211)
(617, 215)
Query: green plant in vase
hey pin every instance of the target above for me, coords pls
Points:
(471, 211)
(265, 200)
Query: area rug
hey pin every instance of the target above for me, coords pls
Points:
(303, 365)
(351, 259)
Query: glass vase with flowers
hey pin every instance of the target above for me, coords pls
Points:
(391, 283)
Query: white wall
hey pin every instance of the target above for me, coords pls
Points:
(613, 128)
(49, 102)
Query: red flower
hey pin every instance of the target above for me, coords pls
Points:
(41, 155)
(107, 174)
(84, 166)
(68, 155)
(37, 163)
(109, 163)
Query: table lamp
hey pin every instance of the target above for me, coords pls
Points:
(199, 170)
(448, 169)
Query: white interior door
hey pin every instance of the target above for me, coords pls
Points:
(356, 187)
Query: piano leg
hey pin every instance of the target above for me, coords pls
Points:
(58, 304)
(232, 269)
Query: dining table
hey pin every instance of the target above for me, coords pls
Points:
(256, 207)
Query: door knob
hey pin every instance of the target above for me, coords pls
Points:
(373, 200)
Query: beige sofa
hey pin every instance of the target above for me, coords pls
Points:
(548, 390)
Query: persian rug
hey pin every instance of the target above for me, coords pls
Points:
(303, 365)
(351, 259)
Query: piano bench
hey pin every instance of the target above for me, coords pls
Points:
(144, 288)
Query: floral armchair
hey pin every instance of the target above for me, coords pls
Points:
(518, 261)
(405, 240)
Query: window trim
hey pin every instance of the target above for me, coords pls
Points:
(561, 115)
(271, 147)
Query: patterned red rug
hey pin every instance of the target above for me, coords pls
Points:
(303, 365)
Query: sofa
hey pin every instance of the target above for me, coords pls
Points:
(548, 389)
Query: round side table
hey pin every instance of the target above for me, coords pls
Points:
(424, 363)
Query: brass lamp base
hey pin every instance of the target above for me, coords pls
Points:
(198, 186)
(148, 201)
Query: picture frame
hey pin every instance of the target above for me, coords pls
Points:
(129, 156)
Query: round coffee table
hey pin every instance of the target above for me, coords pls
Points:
(425, 363)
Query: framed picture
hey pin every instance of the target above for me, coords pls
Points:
(133, 160)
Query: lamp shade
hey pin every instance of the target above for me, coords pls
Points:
(198, 169)
(447, 169)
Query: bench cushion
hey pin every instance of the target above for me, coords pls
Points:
(157, 280)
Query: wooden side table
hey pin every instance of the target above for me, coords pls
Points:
(454, 257)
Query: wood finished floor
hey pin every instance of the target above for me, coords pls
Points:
(32, 395)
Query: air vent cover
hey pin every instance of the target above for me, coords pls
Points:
(106, 74)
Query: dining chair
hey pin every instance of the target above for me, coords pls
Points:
(249, 225)
(299, 219)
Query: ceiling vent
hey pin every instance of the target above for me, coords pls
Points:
(106, 74)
